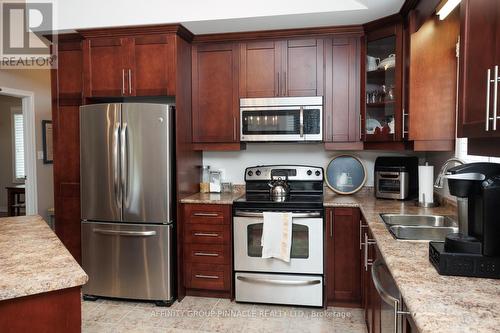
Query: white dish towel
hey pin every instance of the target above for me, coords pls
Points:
(277, 235)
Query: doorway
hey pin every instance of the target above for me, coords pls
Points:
(17, 153)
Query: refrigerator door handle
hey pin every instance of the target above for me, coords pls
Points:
(124, 161)
(125, 233)
(116, 171)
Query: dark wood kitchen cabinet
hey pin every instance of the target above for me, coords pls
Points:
(479, 57)
(342, 117)
(343, 257)
(215, 94)
(281, 68)
(67, 88)
(433, 84)
(207, 250)
(384, 120)
(129, 66)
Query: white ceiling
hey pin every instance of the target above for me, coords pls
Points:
(205, 16)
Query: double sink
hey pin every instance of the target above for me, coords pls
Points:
(419, 227)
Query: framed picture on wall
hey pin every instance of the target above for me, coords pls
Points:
(48, 146)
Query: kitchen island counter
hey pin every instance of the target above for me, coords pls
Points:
(33, 260)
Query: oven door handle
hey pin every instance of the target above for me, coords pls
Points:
(241, 213)
(279, 282)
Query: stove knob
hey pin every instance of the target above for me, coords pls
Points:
(317, 173)
(258, 173)
(309, 172)
(250, 173)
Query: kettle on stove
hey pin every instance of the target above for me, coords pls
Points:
(279, 189)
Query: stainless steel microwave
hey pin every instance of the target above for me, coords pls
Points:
(281, 119)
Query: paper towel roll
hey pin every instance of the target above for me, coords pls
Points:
(426, 184)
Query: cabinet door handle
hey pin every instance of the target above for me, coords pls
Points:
(203, 254)
(331, 224)
(403, 125)
(495, 99)
(205, 234)
(367, 243)
(361, 226)
(212, 277)
(123, 81)
(206, 214)
(285, 84)
(278, 92)
(129, 81)
(234, 129)
(360, 129)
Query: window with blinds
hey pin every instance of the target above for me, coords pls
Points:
(18, 147)
(461, 152)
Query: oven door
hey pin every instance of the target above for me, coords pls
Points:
(281, 123)
(307, 245)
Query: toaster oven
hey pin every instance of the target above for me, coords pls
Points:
(396, 177)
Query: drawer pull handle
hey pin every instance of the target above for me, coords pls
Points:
(206, 214)
(203, 254)
(212, 277)
(203, 234)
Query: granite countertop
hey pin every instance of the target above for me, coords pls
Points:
(33, 260)
(212, 198)
(436, 303)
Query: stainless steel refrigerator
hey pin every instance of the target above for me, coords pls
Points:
(126, 168)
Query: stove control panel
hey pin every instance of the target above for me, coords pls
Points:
(289, 172)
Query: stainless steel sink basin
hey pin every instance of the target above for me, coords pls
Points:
(421, 232)
(418, 220)
(419, 227)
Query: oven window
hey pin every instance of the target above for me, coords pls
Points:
(300, 241)
(389, 185)
(271, 122)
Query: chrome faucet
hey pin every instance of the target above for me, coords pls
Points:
(440, 178)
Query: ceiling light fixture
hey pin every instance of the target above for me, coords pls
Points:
(446, 7)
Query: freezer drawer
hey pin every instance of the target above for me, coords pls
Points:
(127, 260)
(304, 290)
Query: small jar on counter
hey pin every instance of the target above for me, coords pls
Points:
(205, 179)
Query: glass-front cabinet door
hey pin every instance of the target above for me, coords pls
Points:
(383, 114)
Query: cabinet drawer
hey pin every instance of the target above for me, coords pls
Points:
(207, 214)
(207, 254)
(209, 277)
(207, 234)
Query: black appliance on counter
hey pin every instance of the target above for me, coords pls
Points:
(396, 177)
(475, 250)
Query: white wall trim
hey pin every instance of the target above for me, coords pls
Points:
(28, 105)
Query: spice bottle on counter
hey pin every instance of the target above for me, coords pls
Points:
(205, 179)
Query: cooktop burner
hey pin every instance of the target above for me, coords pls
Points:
(263, 200)
(304, 186)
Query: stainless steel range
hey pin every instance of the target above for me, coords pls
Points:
(271, 280)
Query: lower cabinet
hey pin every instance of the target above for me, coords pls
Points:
(207, 256)
(343, 257)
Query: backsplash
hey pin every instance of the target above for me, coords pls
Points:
(233, 163)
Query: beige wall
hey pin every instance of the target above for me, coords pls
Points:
(38, 82)
(6, 155)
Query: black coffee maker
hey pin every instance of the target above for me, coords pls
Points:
(475, 250)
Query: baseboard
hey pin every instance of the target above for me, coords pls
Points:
(3, 209)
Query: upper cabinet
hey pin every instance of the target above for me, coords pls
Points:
(215, 101)
(342, 121)
(479, 111)
(129, 66)
(281, 68)
(383, 113)
(433, 84)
